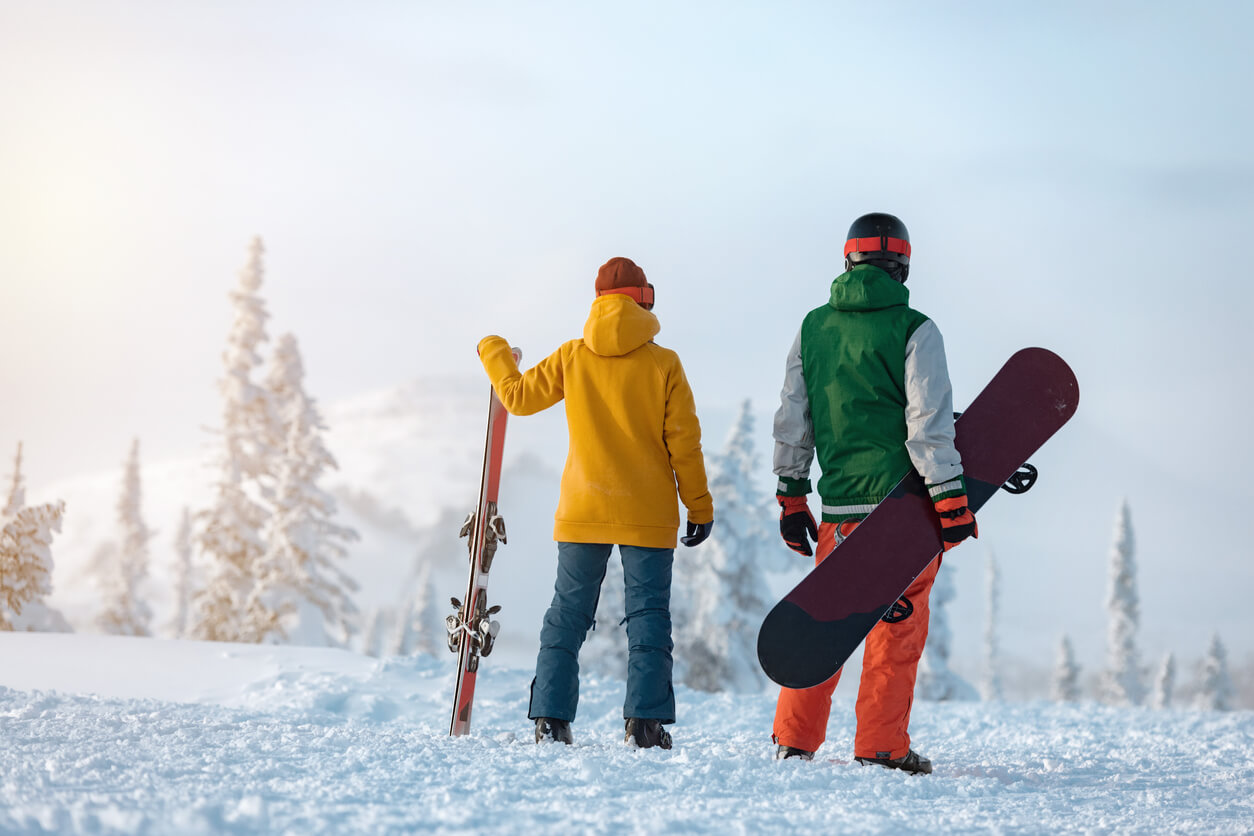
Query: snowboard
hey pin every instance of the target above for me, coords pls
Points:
(471, 629)
(816, 627)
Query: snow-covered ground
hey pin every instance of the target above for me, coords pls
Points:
(122, 735)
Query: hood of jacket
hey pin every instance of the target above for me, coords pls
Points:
(867, 288)
(618, 326)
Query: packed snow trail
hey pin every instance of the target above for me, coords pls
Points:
(282, 739)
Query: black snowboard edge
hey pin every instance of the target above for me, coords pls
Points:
(803, 651)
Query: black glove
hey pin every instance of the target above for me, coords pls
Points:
(697, 532)
(795, 522)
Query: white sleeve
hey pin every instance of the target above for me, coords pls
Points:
(930, 407)
(793, 431)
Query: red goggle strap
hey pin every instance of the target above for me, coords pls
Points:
(877, 245)
(642, 295)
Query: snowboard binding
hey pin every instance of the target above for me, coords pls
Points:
(1022, 480)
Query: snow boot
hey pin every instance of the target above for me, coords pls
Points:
(549, 730)
(913, 763)
(785, 752)
(647, 733)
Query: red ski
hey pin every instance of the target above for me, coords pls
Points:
(471, 629)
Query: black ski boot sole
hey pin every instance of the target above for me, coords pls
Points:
(913, 763)
(783, 753)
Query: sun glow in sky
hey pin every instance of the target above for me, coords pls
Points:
(1074, 175)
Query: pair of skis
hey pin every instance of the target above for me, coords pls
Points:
(471, 628)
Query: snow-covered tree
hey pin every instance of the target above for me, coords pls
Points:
(1066, 680)
(26, 567)
(721, 582)
(936, 680)
(301, 592)
(990, 681)
(124, 610)
(231, 545)
(16, 495)
(184, 577)
(26, 559)
(230, 533)
(1216, 692)
(420, 629)
(1121, 681)
(1165, 682)
(251, 426)
(374, 638)
(404, 633)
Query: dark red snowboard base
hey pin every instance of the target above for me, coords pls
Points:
(819, 624)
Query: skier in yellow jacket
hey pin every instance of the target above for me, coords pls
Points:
(635, 442)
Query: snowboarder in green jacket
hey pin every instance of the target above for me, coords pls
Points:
(867, 391)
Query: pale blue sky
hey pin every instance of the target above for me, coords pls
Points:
(1074, 175)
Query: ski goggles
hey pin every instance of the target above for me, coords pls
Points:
(878, 244)
(642, 295)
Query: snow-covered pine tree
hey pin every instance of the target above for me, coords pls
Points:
(184, 578)
(374, 638)
(990, 681)
(1066, 680)
(16, 495)
(1121, 681)
(722, 581)
(229, 534)
(422, 628)
(251, 424)
(125, 612)
(26, 559)
(26, 567)
(1215, 692)
(936, 680)
(231, 547)
(404, 633)
(301, 593)
(1165, 682)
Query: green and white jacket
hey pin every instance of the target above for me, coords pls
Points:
(867, 388)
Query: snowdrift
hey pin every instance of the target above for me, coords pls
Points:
(112, 735)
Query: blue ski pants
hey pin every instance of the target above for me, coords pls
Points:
(647, 596)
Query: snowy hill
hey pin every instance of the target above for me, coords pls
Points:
(112, 735)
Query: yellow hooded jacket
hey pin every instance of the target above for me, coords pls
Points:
(634, 433)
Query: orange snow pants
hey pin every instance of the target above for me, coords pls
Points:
(890, 660)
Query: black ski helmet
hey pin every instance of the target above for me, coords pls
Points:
(882, 240)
